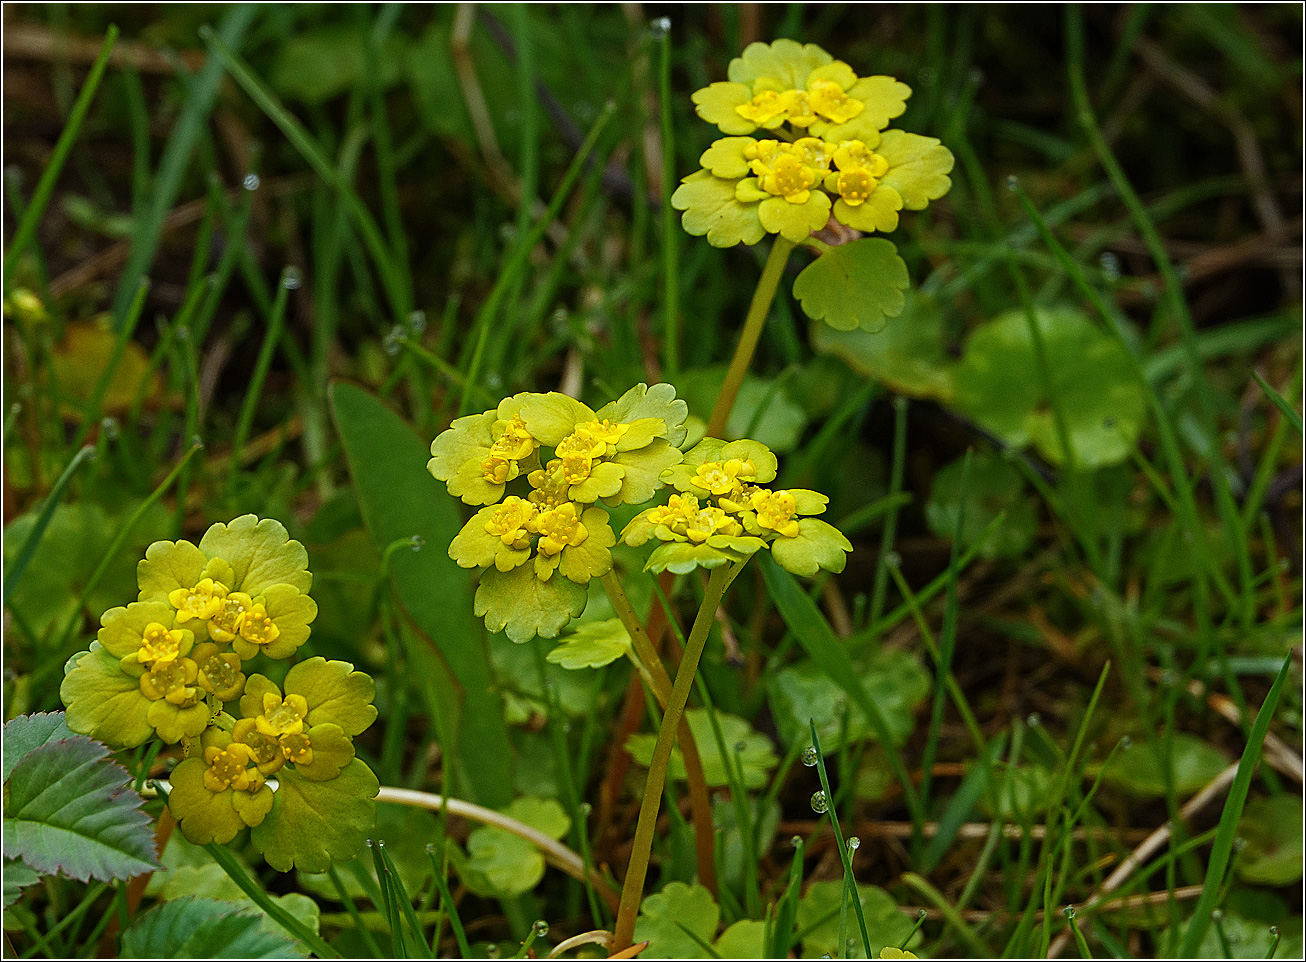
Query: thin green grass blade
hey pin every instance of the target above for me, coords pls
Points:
(813, 632)
(447, 903)
(844, 856)
(1227, 831)
(31, 217)
(1279, 401)
(245, 421)
(175, 163)
(950, 914)
(91, 416)
(24, 556)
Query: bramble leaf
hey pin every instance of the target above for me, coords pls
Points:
(69, 808)
(855, 285)
(17, 877)
(28, 732)
(204, 929)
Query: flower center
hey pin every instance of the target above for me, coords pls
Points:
(559, 528)
(171, 680)
(830, 102)
(799, 108)
(775, 510)
(781, 169)
(711, 521)
(159, 645)
(202, 601)
(282, 717)
(297, 748)
(258, 628)
(228, 768)
(262, 748)
(226, 623)
(510, 524)
(763, 108)
(218, 674)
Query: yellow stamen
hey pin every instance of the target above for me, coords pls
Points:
(510, 524)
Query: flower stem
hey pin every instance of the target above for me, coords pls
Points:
(637, 869)
(654, 673)
(748, 338)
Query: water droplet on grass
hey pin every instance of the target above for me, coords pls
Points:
(820, 804)
(251, 182)
(540, 928)
(854, 843)
(1013, 183)
(291, 278)
(809, 756)
(659, 27)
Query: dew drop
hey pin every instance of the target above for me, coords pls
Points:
(540, 928)
(430, 848)
(1217, 915)
(394, 340)
(976, 76)
(251, 182)
(586, 808)
(854, 843)
(1110, 265)
(893, 560)
(796, 841)
(1126, 743)
(809, 756)
(181, 334)
(1239, 843)
(1033, 721)
(492, 380)
(109, 427)
(418, 542)
(369, 843)
(1274, 931)
(291, 278)
(1013, 183)
(921, 913)
(417, 322)
(659, 27)
(1068, 911)
(820, 804)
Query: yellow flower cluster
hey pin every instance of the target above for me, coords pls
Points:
(829, 153)
(724, 513)
(616, 455)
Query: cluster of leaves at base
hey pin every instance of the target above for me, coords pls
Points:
(168, 666)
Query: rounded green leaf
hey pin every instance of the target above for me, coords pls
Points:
(1272, 829)
(785, 62)
(592, 645)
(1000, 384)
(1193, 763)
(711, 210)
(643, 401)
(643, 469)
(918, 167)
(518, 603)
(992, 487)
(818, 546)
(666, 919)
(551, 417)
(313, 824)
(907, 355)
(855, 285)
(749, 751)
(501, 864)
(818, 920)
(716, 104)
(167, 566)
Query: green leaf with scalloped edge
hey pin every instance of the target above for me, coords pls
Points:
(746, 939)
(909, 356)
(518, 603)
(313, 824)
(664, 917)
(818, 920)
(756, 757)
(854, 285)
(1193, 763)
(592, 645)
(204, 929)
(892, 678)
(502, 864)
(993, 487)
(1272, 829)
(1001, 385)
(69, 808)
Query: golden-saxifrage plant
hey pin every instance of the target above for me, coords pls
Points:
(170, 667)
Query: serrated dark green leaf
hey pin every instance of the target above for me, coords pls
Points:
(856, 285)
(70, 809)
(17, 877)
(204, 929)
(27, 732)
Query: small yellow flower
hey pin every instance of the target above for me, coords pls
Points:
(159, 645)
(282, 716)
(202, 601)
(775, 512)
(229, 768)
(172, 681)
(218, 672)
(225, 624)
(258, 627)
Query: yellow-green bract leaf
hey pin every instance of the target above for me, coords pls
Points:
(332, 751)
(710, 209)
(918, 167)
(1020, 791)
(643, 469)
(592, 645)
(817, 546)
(104, 701)
(725, 158)
(856, 285)
(206, 816)
(795, 222)
(313, 824)
(69, 808)
(908, 355)
(818, 920)
(1272, 828)
(784, 61)
(1001, 384)
(167, 566)
(748, 750)
(260, 553)
(292, 612)
(551, 417)
(643, 401)
(520, 604)
(665, 917)
(682, 557)
(336, 694)
(716, 104)
(884, 97)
